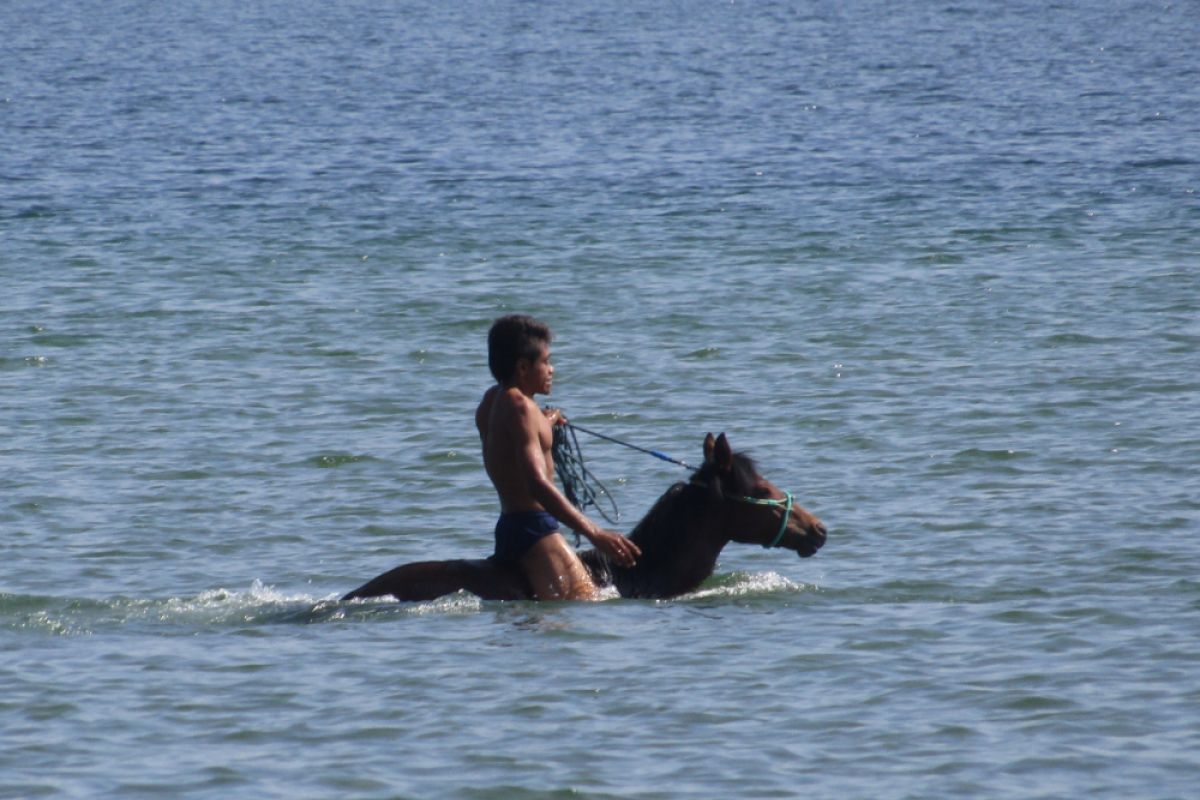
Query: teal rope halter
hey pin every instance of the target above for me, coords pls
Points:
(785, 504)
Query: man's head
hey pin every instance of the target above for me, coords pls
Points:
(512, 339)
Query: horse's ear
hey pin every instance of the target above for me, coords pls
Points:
(723, 453)
(709, 443)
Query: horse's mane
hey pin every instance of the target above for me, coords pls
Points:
(739, 481)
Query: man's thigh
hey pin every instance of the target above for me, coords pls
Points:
(555, 571)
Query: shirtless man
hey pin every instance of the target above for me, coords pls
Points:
(517, 437)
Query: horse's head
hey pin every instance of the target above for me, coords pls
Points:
(753, 508)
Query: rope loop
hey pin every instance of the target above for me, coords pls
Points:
(580, 486)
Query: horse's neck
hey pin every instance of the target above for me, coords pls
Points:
(680, 572)
(660, 571)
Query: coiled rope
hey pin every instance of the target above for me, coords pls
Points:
(580, 485)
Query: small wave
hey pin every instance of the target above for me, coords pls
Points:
(332, 460)
(973, 454)
(1073, 339)
(703, 353)
(1160, 163)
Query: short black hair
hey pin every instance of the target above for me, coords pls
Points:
(512, 338)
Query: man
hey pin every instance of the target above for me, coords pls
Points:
(517, 437)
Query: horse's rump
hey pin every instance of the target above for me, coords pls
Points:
(429, 580)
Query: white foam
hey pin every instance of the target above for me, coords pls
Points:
(457, 603)
(741, 584)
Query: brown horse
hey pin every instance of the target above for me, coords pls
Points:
(681, 537)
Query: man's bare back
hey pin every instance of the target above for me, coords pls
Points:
(517, 437)
(502, 419)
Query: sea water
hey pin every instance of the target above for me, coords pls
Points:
(933, 264)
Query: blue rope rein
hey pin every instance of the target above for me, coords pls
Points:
(655, 453)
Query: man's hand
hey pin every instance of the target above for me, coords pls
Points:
(615, 546)
(555, 415)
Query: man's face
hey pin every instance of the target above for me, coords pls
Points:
(537, 374)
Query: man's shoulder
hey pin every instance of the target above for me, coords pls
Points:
(517, 413)
(500, 401)
(503, 396)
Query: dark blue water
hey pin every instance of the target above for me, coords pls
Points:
(934, 265)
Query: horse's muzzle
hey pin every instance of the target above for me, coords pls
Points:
(814, 540)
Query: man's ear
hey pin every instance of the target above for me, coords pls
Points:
(709, 443)
(723, 454)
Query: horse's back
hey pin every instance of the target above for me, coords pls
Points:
(429, 580)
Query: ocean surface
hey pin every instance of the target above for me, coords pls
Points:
(936, 265)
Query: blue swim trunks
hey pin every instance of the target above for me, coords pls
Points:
(518, 531)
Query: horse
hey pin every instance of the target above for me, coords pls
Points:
(725, 500)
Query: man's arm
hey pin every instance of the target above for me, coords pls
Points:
(533, 466)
